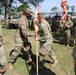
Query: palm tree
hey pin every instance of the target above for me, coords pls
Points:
(73, 9)
(68, 7)
(54, 8)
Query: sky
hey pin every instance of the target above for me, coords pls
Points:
(48, 4)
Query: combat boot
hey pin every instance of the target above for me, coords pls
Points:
(10, 66)
(67, 45)
(3, 70)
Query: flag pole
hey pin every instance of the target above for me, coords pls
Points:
(37, 56)
(36, 23)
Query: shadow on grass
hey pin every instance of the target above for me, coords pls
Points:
(58, 38)
(71, 43)
(5, 26)
(44, 71)
(32, 71)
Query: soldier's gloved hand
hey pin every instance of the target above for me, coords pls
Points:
(37, 38)
(40, 39)
(68, 26)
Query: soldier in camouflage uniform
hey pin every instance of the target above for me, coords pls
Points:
(45, 40)
(2, 55)
(67, 30)
(21, 40)
(74, 57)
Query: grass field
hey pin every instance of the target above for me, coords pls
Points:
(65, 65)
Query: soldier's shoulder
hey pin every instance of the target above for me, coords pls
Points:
(45, 22)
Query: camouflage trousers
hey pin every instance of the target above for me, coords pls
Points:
(66, 36)
(74, 53)
(2, 56)
(2, 61)
(19, 45)
(46, 50)
(74, 57)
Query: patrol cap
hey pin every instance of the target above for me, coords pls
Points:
(40, 14)
(28, 10)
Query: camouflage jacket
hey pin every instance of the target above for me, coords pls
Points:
(1, 39)
(68, 24)
(45, 32)
(22, 30)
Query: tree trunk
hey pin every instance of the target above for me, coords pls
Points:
(7, 8)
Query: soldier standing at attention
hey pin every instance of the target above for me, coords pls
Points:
(67, 29)
(21, 40)
(45, 40)
(2, 55)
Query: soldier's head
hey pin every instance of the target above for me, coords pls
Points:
(68, 17)
(28, 12)
(41, 16)
(20, 13)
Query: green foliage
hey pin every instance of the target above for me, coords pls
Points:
(68, 7)
(22, 7)
(54, 9)
(34, 2)
(1, 8)
(72, 8)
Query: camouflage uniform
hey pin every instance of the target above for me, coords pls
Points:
(61, 24)
(2, 55)
(74, 57)
(21, 39)
(45, 42)
(67, 31)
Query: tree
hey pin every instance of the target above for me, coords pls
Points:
(22, 7)
(33, 2)
(73, 9)
(7, 4)
(68, 7)
(54, 9)
(1, 8)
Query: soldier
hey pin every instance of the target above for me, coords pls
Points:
(2, 56)
(45, 40)
(67, 29)
(21, 40)
(74, 57)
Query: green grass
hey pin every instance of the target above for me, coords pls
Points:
(65, 65)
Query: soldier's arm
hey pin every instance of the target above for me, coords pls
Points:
(46, 32)
(23, 27)
(71, 23)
